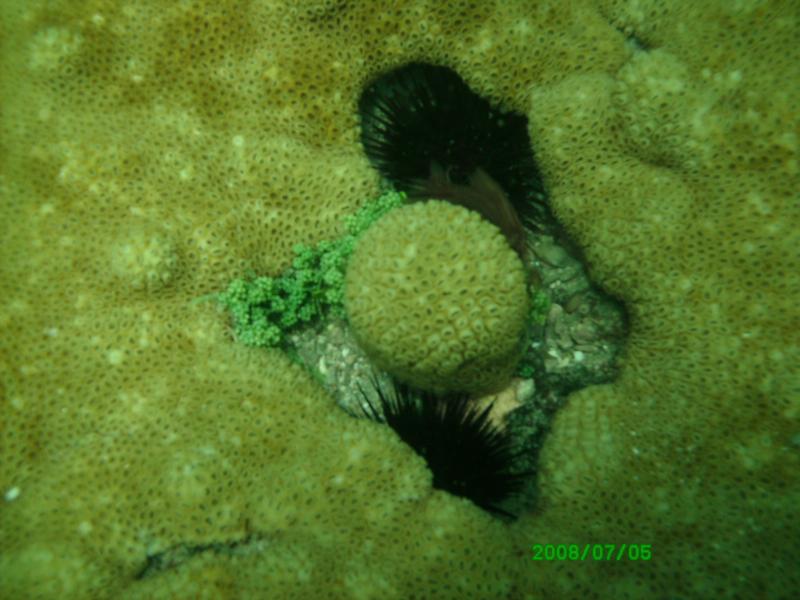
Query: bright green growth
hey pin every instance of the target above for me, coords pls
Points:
(540, 307)
(264, 309)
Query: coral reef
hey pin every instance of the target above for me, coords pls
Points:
(437, 298)
(152, 152)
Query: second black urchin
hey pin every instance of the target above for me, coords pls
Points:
(468, 455)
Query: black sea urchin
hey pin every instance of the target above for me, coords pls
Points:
(428, 133)
(468, 455)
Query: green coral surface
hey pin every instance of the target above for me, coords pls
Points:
(152, 152)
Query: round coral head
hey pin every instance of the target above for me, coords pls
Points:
(437, 297)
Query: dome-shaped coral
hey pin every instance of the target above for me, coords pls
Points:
(437, 297)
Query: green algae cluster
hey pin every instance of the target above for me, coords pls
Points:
(264, 309)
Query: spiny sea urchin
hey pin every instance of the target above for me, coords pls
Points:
(468, 455)
(428, 133)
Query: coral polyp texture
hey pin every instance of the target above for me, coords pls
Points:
(152, 152)
(437, 297)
